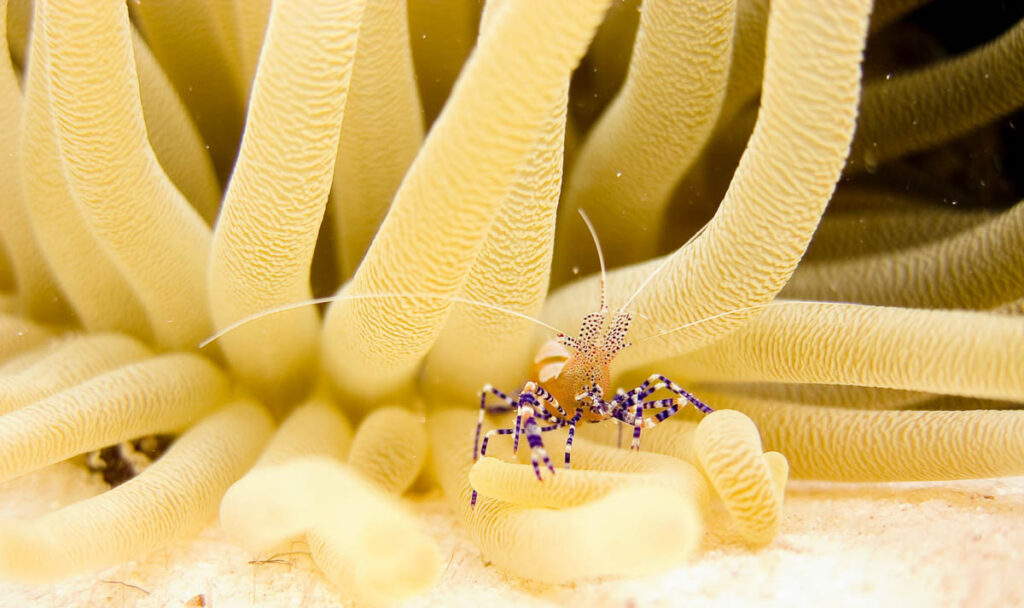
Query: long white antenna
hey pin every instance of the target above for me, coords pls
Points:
(722, 314)
(600, 259)
(662, 266)
(294, 305)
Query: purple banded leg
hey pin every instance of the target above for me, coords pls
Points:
(638, 421)
(568, 445)
(675, 388)
(672, 407)
(537, 451)
(572, 433)
(526, 400)
(627, 411)
(647, 388)
(671, 403)
(547, 397)
(546, 417)
(487, 438)
(507, 406)
(518, 427)
(483, 452)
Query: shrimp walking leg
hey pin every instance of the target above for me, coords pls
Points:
(572, 433)
(675, 388)
(533, 432)
(507, 405)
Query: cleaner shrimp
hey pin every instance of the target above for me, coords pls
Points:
(572, 375)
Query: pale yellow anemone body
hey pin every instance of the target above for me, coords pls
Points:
(132, 229)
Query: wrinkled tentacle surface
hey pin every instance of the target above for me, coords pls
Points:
(511, 269)
(74, 360)
(264, 240)
(977, 268)
(94, 90)
(942, 351)
(37, 292)
(383, 129)
(156, 395)
(669, 102)
(750, 482)
(173, 134)
(848, 445)
(95, 289)
(116, 145)
(597, 471)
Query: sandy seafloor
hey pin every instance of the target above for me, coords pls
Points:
(907, 544)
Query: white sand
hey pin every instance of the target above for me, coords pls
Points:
(939, 544)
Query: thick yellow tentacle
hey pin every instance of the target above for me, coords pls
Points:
(511, 271)
(381, 133)
(669, 101)
(849, 445)
(951, 352)
(94, 287)
(363, 539)
(161, 394)
(264, 240)
(174, 496)
(194, 43)
(38, 294)
(174, 136)
(920, 109)
(442, 36)
(151, 233)
(390, 448)
(74, 360)
(977, 268)
(750, 482)
(314, 428)
(596, 472)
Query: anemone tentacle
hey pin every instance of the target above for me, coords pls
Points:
(161, 394)
(669, 102)
(94, 92)
(263, 244)
(174, 496)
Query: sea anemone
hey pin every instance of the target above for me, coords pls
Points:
(189, 170)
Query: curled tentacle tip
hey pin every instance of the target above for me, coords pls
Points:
(751, 483)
